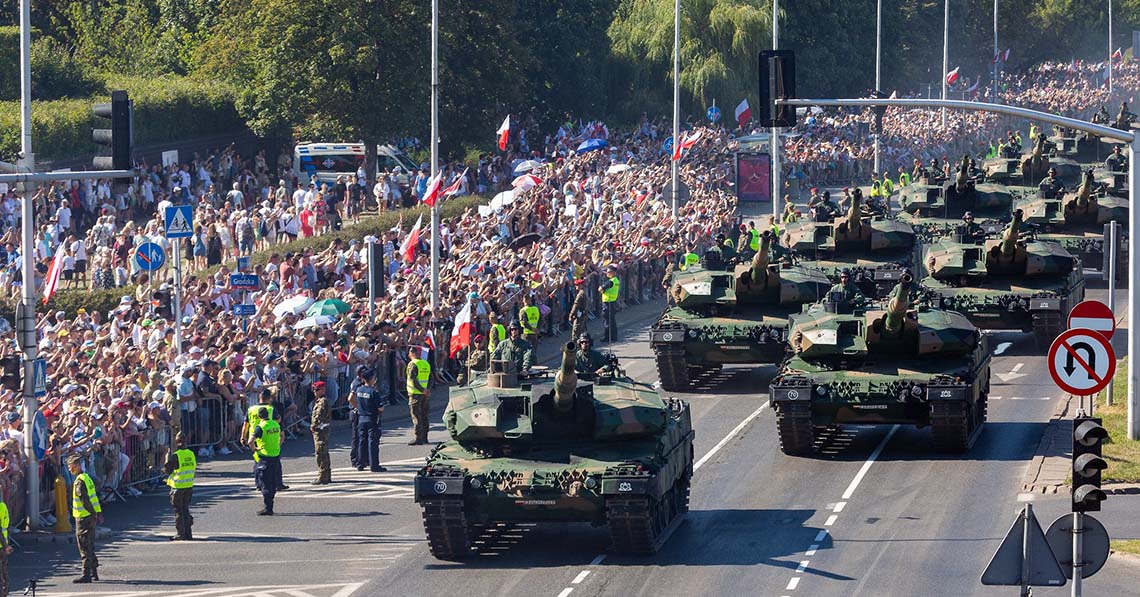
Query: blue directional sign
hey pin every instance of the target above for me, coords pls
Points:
(39, 378)
(179, 221)
(713, 114)
(244, 309)
(245, 281)
(39, 436)
(150, 256)
(243, 263)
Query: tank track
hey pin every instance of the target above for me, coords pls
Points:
(639, 525)
(797, 434)
(448, 533)
(671, 368)
(1047, 325)
(956, 426)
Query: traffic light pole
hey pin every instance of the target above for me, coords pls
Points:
(1078, 551)
(26, 323)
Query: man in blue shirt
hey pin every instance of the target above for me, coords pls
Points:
(369, 405)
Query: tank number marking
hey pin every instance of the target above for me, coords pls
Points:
(871, 406)
(440, 487)
(1043, 306)
(624, 486)
(793, 394)
(668, 337)
(945, 394)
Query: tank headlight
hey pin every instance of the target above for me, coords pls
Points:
(476, 483)
(916, 390)
(692, 333)
(591, 483)
(821, 390)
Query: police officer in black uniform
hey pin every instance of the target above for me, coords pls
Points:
(369, 405)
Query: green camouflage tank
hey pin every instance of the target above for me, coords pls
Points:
(1007, 283)
(873, 249)
(730, 316)
(936, 213)
(527, 448)
(892, 362)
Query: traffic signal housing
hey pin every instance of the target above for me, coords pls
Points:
(10, 378)
(777, 81)
(1088, 438)
(879, 111)
(118, 138)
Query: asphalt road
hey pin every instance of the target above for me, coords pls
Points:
(877, 513)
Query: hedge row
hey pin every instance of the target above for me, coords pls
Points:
(375, 225)
(10, 55)
(167, 108)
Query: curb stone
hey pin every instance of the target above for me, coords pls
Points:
(1049, 451)
(41, 537)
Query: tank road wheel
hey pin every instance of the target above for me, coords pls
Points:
(448, 533)
(639, 525)
(797, 434)
(1047, 325)
(953, 426)
(671, 368)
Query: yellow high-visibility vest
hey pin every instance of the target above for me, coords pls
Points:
(78, 510)
(610, 294)
(423, 375)
(183, 476)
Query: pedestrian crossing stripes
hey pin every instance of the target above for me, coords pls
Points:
(326, 590)
(348, 483)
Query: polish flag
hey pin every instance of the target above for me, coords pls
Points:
(1005, 57)
(687, 143)
(1117, 55)
(429, 339)
(974, 87)
(408, 248)
(431, 196)
(455, 186)
(952, 76)
(504, 133)
(743, 113)
(997, 57)
(461, 333)
(51, 282)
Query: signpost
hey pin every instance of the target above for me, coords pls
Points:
(1081, 361)
(245, 282)
(1024, 558)
(713, 113)
(1095, 316)
(39, 378)
(150, 256)
(179, 223)
(244, 309)
(1094, 552)
(39, 435)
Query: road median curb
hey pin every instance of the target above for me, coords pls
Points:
(1048, 471)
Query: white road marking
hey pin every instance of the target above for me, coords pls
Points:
(1002, 347)
(727, 438)
(598, 560)
(566, 591)
(803, 566)
(811, 550)
(821, 536)
(831, 520)
(1026, 497)
(581, 577)
(1013, 373)
(839, 507)
(867, 465)
(792, 584)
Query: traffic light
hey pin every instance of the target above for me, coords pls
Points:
(879, 111)
(10, 377)
(777, 81)
(379, 271)
(118, 138)
(1088, 437)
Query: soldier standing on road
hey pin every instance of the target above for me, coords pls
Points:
(179, 468)
(610, 289)
(515, 349)
(5, 548)
(418, 379)
(369, 406)
(266, 443)
(528, 317)
(319, 424)
(578, 309)
(88, 514)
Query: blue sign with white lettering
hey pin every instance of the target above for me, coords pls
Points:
(150, 256)
(179, 221)
(245, 281)
(713, 113)
(39, 436)
(245, 309)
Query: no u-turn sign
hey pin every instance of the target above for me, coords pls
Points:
(1081, 361)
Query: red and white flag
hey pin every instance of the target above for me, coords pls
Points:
(504, 133)
(743, 113)
(51, 282)
(997, 57)
(974, 87)
(461, 333)
(455, 186)
(408, 247)
(952, 76)
(1005, 57)
(429, 339)
(1117, 55)
(431, 196)
(687, 143)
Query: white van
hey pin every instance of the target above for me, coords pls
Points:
(326, 161)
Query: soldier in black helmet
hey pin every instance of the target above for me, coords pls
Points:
(515, 349)
(588, 361)
(1051, 186)
(846, 291)
(974, 231)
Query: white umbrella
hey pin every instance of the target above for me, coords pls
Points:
(618, 168)
(314, 321)
(503, 199)
(293, 304)
(526, 166)
(526, 182)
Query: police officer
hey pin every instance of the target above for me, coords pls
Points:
(264, 400)
(369, 406)
(610, 289)
(974, 231)
(319, 425)
(587, 360)
(578, 309)
(88, 514)
(528, 317)
(179, 468)
(5, 548)
(266, 443)
(418, 380)
(849, 293)
(1051, 186)
(515, 349)
(690, 258)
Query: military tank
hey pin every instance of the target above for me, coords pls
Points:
(937, 214)
(1011, 282)
(887, 363)
(874, 249)
(606, 450)
(1076, 221)
(730, 316)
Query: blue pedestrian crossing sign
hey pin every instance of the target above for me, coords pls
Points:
(150, 256)
(713, 114)
(179, 221)
(39, 378)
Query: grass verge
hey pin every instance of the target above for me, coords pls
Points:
(1130, 546)
(1121, 453)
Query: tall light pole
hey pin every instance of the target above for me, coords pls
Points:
(878, 70)
(676, 98)
(945, 52)
(27, 324)
(1110, 46)
(995, 97)
(435, 155)
(774, 137)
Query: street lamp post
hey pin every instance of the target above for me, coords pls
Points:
(435, 155)
(945, 52)
(995, 97)
(774, 137)
(676, 98)
(878, 70)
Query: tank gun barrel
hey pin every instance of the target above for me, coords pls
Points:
(854, 214)
(1086, 190)
(1009, 237)
(896, 308)
(566, 380)
(760, 260)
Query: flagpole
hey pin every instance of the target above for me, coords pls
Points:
(435, 155)
(676, 100)
(945, 52)
(1110, 46)
(994, 99)
(878, 72)
(774, 137)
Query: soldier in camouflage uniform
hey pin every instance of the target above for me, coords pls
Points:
(477, 359)
(588, 361)
(322, 414)
(578, 310)
(515, 349)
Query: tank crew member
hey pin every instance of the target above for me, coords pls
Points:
(1051, 186)
(611, 290)
(849, 293)
(266, 443)
(179, 468)
(476, 359)
(369, 406)
(88, 514)
(727, 251)
(419, 391)
(714, 255)
(322, 417)
(515, 349)
(588, 360)
(1117, 162)
(974, 231)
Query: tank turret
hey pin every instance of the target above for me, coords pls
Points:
(897, 306)
(760, 260)
(565, 381)
(1008, 245)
